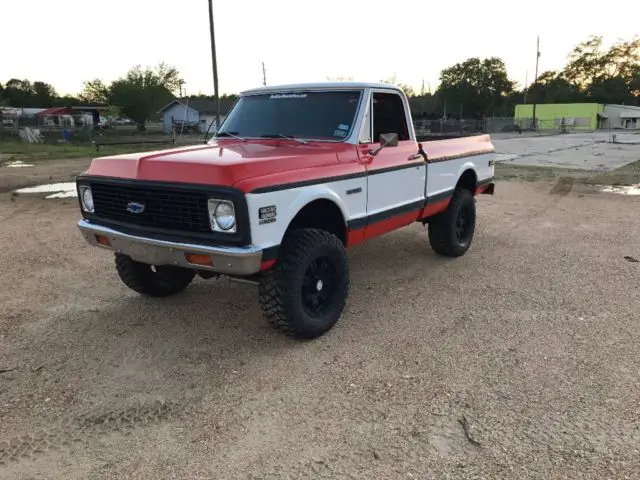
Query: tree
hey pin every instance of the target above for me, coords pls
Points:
(95, 92)
(19, 93)
(553, 87)
(66, 101)
(424, 106)
(605, 76)
(142, 92)
(43, 94)
(476, 86)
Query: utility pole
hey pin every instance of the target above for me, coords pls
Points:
(264, 76)
(214, 64)
(535, 127)
(526, 86)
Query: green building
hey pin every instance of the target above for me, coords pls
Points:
(552, 116)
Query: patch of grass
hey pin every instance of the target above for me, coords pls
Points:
(16, 150)
(627, 175)
(527, 173)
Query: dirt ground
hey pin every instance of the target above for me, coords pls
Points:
(518, 360)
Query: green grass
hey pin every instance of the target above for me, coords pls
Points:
(17, 150)
(627, 175)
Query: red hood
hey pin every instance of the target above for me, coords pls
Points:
(224, 163)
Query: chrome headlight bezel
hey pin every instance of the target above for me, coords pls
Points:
(86, 198)
(216, 218)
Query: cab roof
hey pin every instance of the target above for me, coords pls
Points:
(320, 86)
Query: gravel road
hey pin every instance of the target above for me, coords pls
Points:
(519, 360)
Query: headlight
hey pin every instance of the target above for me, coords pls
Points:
(222, 216)
(86, 198)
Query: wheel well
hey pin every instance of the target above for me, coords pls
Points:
(323, 214)
(468, 181)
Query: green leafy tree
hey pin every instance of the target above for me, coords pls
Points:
(606, 76)
(43, 94)
(19, 93)
(553, 87)
(143, 91)
(476, 86)
(95, 92)
(424, 106)
(66, 101)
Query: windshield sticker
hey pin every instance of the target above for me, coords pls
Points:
(339, 133)
(342, 126)
(288, 95)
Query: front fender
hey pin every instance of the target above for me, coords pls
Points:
(288, 204)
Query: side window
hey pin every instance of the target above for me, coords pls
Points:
(389, 116)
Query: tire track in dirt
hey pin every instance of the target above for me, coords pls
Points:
(82, 429)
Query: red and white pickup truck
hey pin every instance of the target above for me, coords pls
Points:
(294, 176)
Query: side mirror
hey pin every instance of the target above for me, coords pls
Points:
(386, 140)
(389, 139)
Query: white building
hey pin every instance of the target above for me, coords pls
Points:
(189, 114)
(620, 116)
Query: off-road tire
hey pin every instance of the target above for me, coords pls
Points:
(164, 281)
(284, 289)
(443, 227)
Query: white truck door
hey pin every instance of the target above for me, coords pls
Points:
(396, 176)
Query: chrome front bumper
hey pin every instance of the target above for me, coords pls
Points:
(225, 260)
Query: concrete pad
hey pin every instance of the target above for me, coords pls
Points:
(587, 151)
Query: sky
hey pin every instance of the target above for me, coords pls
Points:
(64, 42)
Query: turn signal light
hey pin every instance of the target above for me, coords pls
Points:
(198, 259)
(102, 240)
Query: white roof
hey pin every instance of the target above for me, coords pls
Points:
(321, 86)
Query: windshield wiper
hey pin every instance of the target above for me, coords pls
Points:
(231, 134)
(282, 135)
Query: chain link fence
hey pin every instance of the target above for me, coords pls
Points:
(450, 126)
(556, 125)
(74, 129)
(462, 127)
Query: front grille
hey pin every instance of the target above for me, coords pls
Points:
(163, 209)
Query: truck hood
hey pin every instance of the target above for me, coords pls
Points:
(219, 163)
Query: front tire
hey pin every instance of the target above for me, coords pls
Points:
(304, 294)
(152, 281)
(451, 232)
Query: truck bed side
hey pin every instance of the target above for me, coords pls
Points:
(447, 161)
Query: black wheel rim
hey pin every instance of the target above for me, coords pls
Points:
(464, 224)
(318, 287)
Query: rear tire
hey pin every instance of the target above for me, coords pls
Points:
(152, 281)
(451, 232)
(304, 294)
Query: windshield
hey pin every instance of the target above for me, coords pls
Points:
(326, 116)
